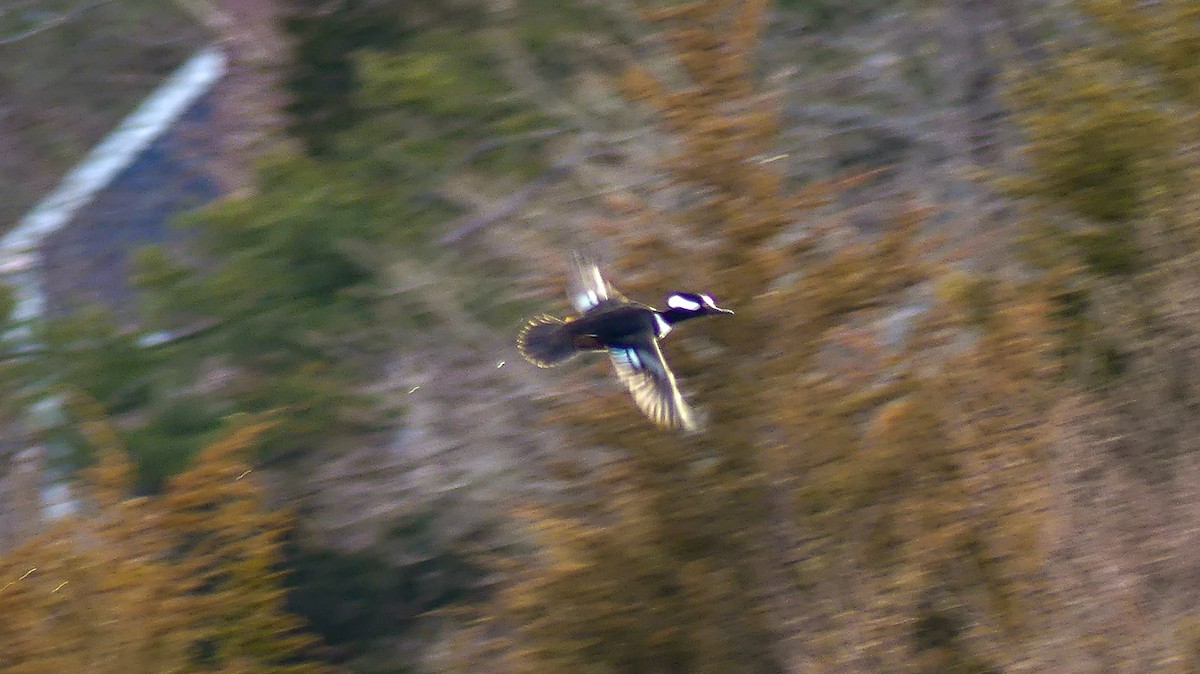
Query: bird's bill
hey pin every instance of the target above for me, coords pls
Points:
(711, 307)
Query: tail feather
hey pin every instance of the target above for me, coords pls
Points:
(545, 342)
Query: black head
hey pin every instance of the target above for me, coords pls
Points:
(682, 306)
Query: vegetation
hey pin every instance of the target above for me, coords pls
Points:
(829, 495)
(900, 494)
(1112, 130)
(190, 581)
(288, 307)
(915, 460)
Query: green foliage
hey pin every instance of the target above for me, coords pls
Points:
(286, 302)
(1107, 249)
(1107, 127)
(8, 303)
(278, 310)
(1096, 137)
(91, 354)
(445, 92)
(973, 293)
(356, 600)
(321, 77)
(1163, 38)
(355, 65)
(549, 30)
(447, 82)
(282, 305)
(346, 597)
(177, 428)
(825, 15)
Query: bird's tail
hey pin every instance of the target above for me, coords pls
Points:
(545, 341)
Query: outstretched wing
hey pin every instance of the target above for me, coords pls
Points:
(643, 371)
(587, 287)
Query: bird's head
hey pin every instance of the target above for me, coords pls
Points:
(690, 305)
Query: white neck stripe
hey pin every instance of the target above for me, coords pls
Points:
(663, 326)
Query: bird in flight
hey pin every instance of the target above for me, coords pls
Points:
(606, 320)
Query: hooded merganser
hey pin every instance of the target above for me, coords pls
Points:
(629, 331)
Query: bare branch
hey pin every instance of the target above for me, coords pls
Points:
(909, 128)
(513, 202)
(492, 144)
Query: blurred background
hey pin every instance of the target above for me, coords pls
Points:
(262, 408)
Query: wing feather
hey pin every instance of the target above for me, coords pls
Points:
(587, 287)
(642, 369)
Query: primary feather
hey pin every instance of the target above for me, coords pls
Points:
(642, 369)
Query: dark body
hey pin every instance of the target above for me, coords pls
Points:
(612, 323)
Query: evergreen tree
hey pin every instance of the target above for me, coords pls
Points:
(858, 503)
(189, 582)
(229, 560)
(1107, 194)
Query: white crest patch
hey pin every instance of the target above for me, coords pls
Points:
(681, 302)
(709, 301)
